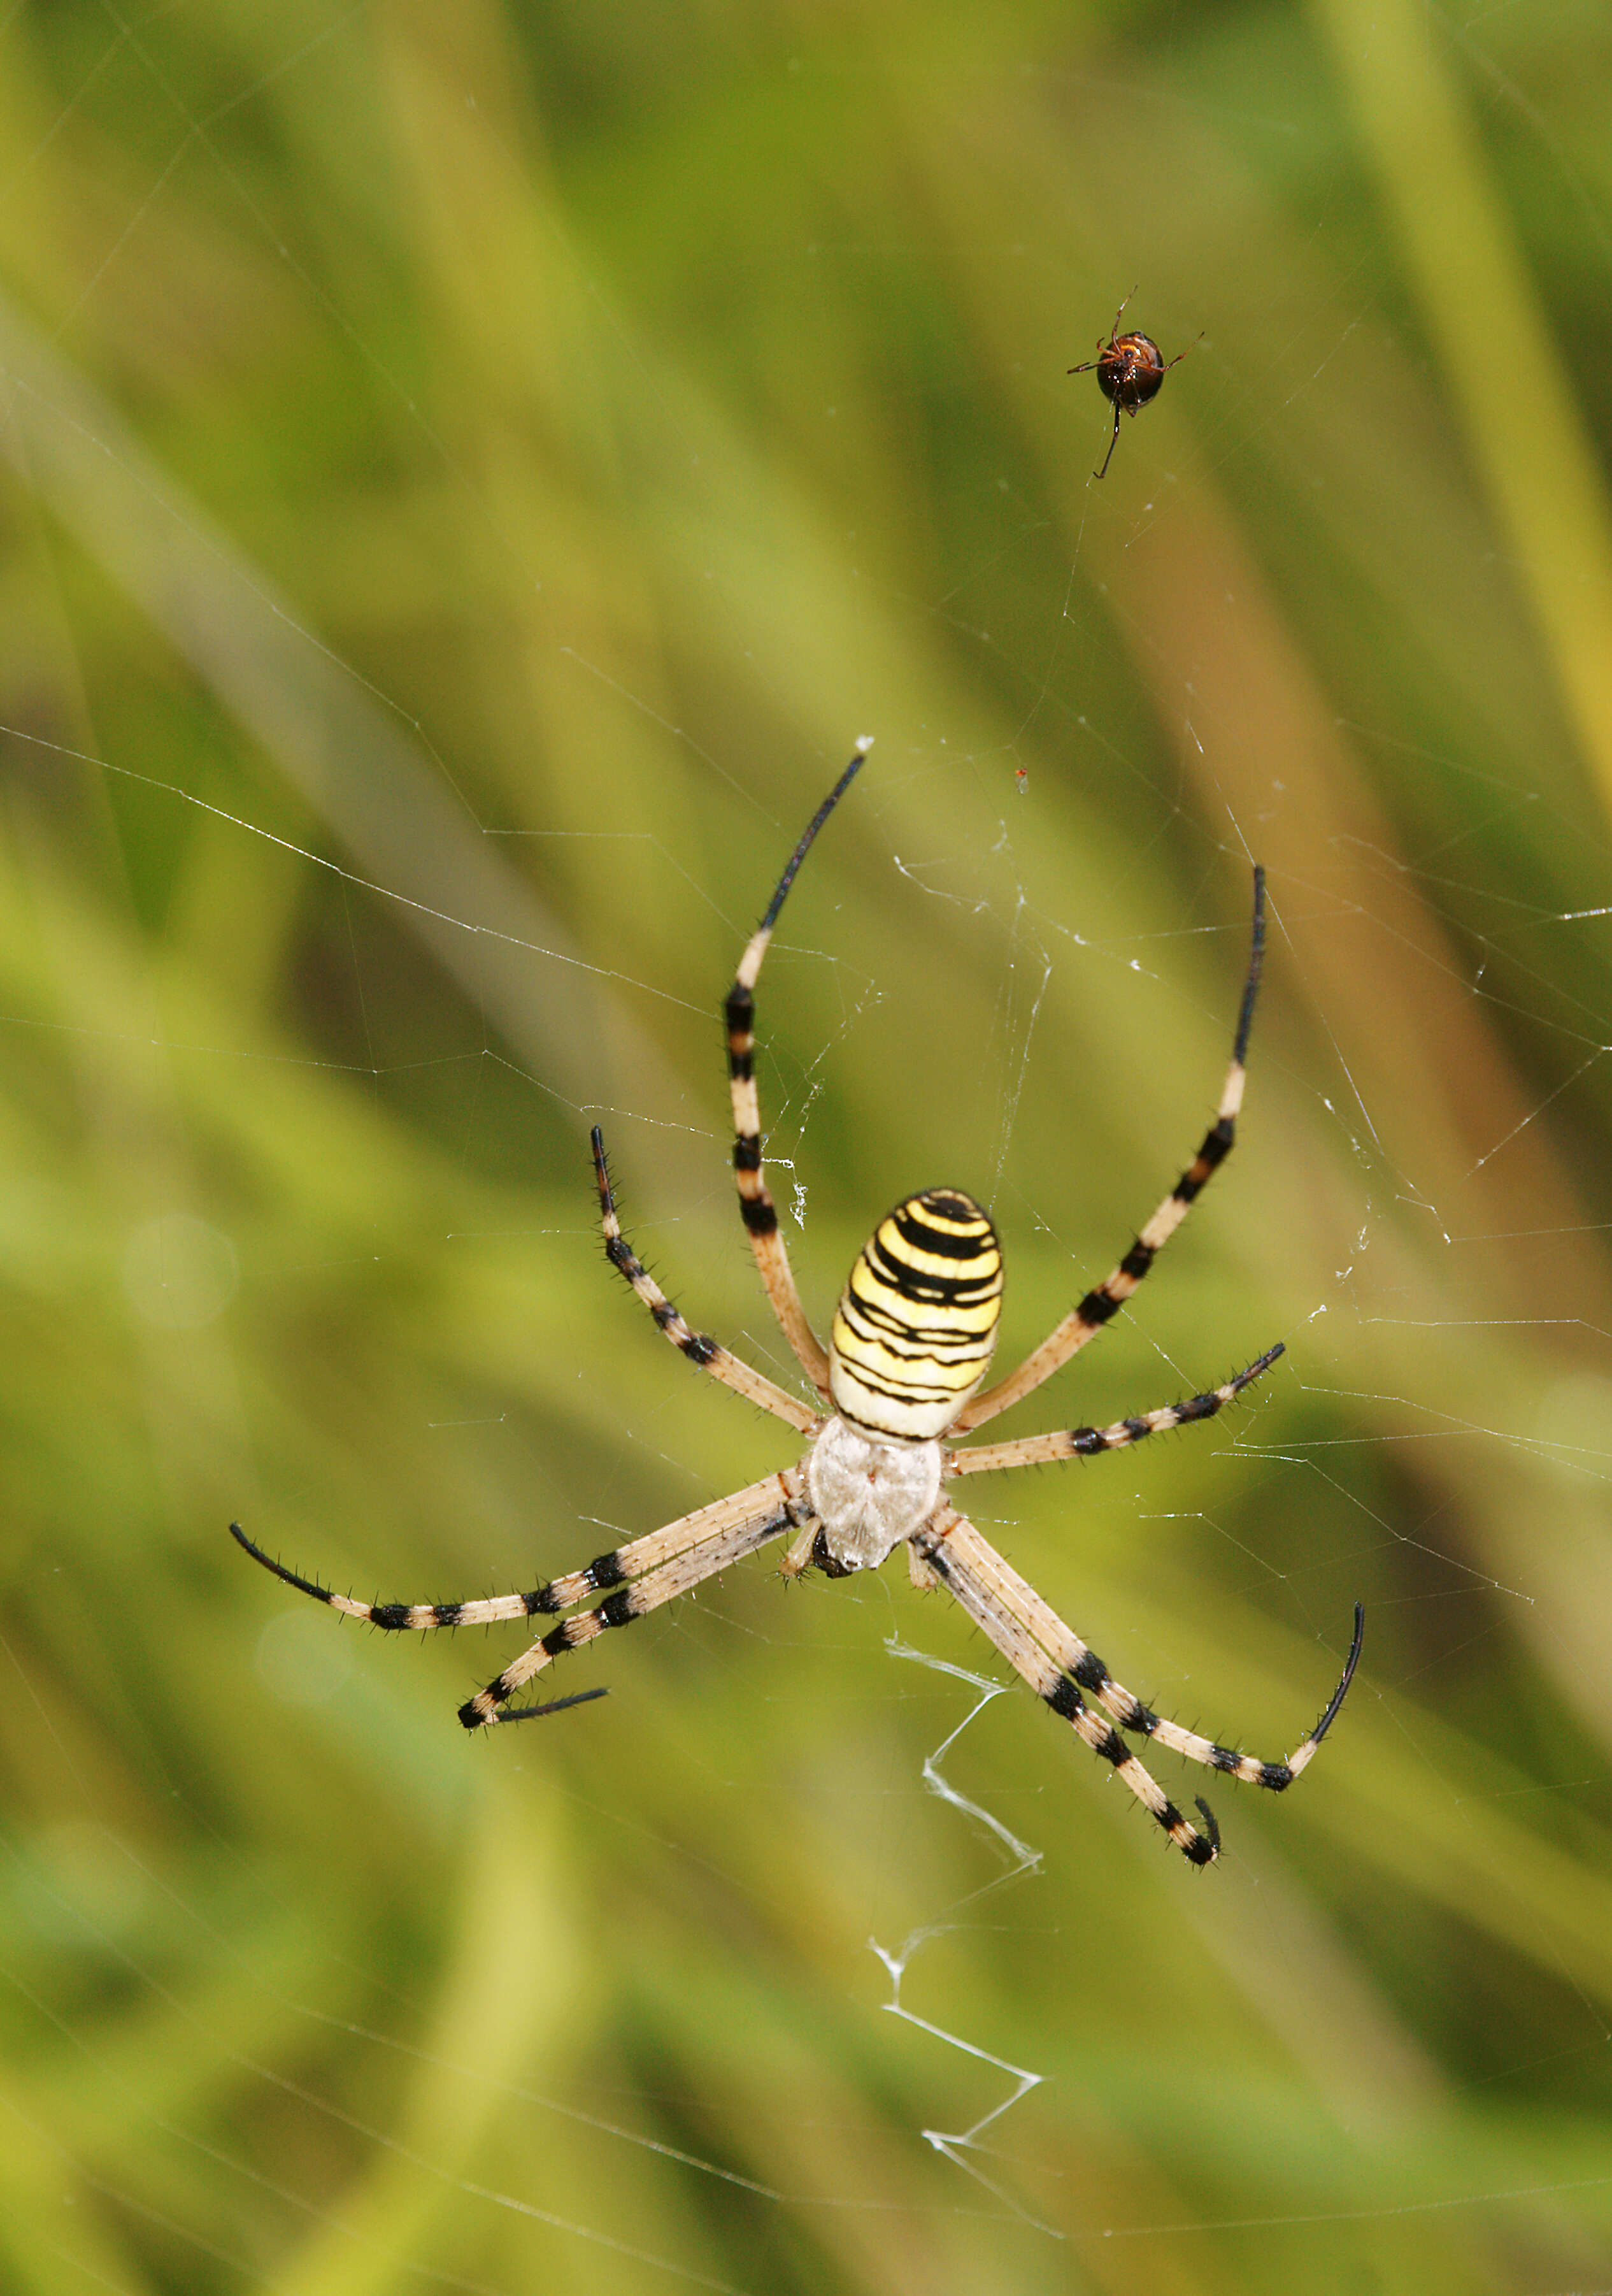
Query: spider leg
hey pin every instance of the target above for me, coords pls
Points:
(1005, 1607)
(415, 1617)
(563, 1593)
(1103, 345)
(1104, 1301)
(1113, 442)
(756, 1205)
(773, 1494)
(709, 1354)
(1059, 1667)
(1085, 1442)
(684, 1568)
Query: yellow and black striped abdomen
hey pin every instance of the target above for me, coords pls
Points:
(916, 1323)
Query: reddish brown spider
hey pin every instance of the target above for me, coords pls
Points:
(1130, 369)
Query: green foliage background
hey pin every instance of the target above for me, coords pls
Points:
(469, 475)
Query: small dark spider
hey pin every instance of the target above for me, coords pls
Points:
(1130, 369)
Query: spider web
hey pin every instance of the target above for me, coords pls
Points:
(469, 482)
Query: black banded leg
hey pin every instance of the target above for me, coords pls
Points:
(685, 1542)
(1101, 1736)
(1061, 1667)
(992, 1594)
(1087, 1442)
(1104, 1301)
(395, 1617)
(1080, 1663)
(611, 1568)
(1084, 1667)
(416, 1618)
(671, 1578)
(707, 1354)
(756, 1205)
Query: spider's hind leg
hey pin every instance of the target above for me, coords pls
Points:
(1105, 1299)
(706, 1353)
(756, 1205)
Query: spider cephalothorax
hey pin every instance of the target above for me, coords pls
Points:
(908, 1351)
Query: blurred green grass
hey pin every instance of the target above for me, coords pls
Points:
(468, 477)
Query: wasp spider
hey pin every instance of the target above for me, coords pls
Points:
(910, 1346)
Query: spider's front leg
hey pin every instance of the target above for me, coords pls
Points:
(641, 1575)
(1060, 1667)
(739, 1531)
(418, 1618)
